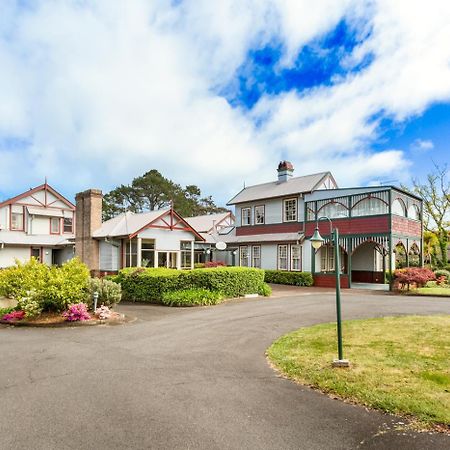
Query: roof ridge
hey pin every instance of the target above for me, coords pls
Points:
(293, 178)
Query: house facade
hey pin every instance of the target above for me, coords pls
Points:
(38, 223)
(275, 221)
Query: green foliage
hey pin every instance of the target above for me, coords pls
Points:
(36, 286)
(291, 278)
(199, 265)
(442, 273)
(4, 311)
(149, 285)
(18, 280)
(265, 290)
(109, 292)
(152, 191)
(191, 297)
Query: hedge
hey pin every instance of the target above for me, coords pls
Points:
(149, 285)
(191, 297)
(291, 278)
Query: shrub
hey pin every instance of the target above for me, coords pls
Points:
(109, 292)
(77, 312)
(13, 316)
(191, 297)
(412, 276)
(265, 290)
(149, 285)
(30, 304)
(211, 264)
(442, 273)
(199, 265)
(291, 278)
(103, 312)
(4, 311)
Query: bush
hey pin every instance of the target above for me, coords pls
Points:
(412, 276)
(149, 285)
(77, 312)
(265, 290)
(291, 278)
(199, 265)
(442, 273)
(52, 288)
(211, 264)
(13, 316)
(191, 297)
(109, 292)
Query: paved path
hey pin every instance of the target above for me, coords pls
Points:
(193, 378)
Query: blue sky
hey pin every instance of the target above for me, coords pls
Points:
(216, 93)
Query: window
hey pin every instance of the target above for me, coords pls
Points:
(68, 225)
(398, 207)
(296, 257)
(333, 210)
(259, 215)
(369, 207)
(244, 256)
(17, 222)
(36, 253)
(327, 259)
(282, 257)
(186, 247)
(414, 212)
(130, 253)
(290, 210)
(256, 256)
(246, 216)
(54, 225)
(148, 253)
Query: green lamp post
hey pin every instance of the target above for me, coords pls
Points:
(317, 241)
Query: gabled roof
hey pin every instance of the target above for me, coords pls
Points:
(296, 185)
(131, 224)
(42, 187)
(205, 223)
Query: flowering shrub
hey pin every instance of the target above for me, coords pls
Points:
(109, 292)
(210, 264)
(30, 304)
(13, 316)
(76, 312)
(416, 276)
(103, 312)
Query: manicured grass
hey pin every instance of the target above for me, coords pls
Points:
(431, 291)
(398, 364)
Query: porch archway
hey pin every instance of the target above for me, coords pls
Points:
(369, 262)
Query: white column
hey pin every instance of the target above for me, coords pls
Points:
(155, 263)
(179, 260)
(139, 252)
(192, 254)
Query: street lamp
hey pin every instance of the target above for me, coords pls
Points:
(317, 241)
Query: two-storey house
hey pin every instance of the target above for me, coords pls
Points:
(275, 220)
(39, 223)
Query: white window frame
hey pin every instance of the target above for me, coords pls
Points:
(21, 221)
(57, 221)
(297, 259)
(248, 216)
(243, 248)
(256, 260)
(284, 258)
(258, 208)
(286, 202)
(327, 258)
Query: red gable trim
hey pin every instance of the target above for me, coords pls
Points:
(173, 226)
(228, 215)
(42, 187)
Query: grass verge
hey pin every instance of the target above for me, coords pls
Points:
(399, 364)
(432, 292)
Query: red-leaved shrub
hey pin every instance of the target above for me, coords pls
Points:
(412, 276)
(210, 264)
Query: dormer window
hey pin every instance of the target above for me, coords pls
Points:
(290, 210)
(246, 216)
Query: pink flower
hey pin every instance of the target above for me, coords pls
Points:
(13, 316)
(77, 312)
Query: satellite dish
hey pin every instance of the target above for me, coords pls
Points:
(221, 245)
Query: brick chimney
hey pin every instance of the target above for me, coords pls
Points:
(285, 170)
(88, 220)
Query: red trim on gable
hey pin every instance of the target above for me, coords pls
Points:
(45, 187)
(173, 214)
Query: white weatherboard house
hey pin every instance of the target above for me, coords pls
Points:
(39, 223)
(159, 238)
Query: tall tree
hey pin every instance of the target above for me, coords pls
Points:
(436, 202)
(153, 191)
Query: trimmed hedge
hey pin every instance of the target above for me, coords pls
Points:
(191, 297)
(149, 285)
(291, 278)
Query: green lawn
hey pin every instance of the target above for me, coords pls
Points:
(431, 291)
(398, 364)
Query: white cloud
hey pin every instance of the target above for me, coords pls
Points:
(105, 90)
(422, 145)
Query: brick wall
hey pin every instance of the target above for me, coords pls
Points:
(402, 225)
(329, 280)
(352, 225)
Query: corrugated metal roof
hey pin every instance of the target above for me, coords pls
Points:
(256, 238)
(14, 238)
(205, 223)
(296, 185)
(127, 223)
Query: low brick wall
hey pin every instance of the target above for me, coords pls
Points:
(329, 280)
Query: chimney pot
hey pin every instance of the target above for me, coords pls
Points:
(285, 171)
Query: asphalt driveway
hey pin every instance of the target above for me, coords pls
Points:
(193, 378)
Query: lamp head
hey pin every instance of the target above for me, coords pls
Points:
(317, 240)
